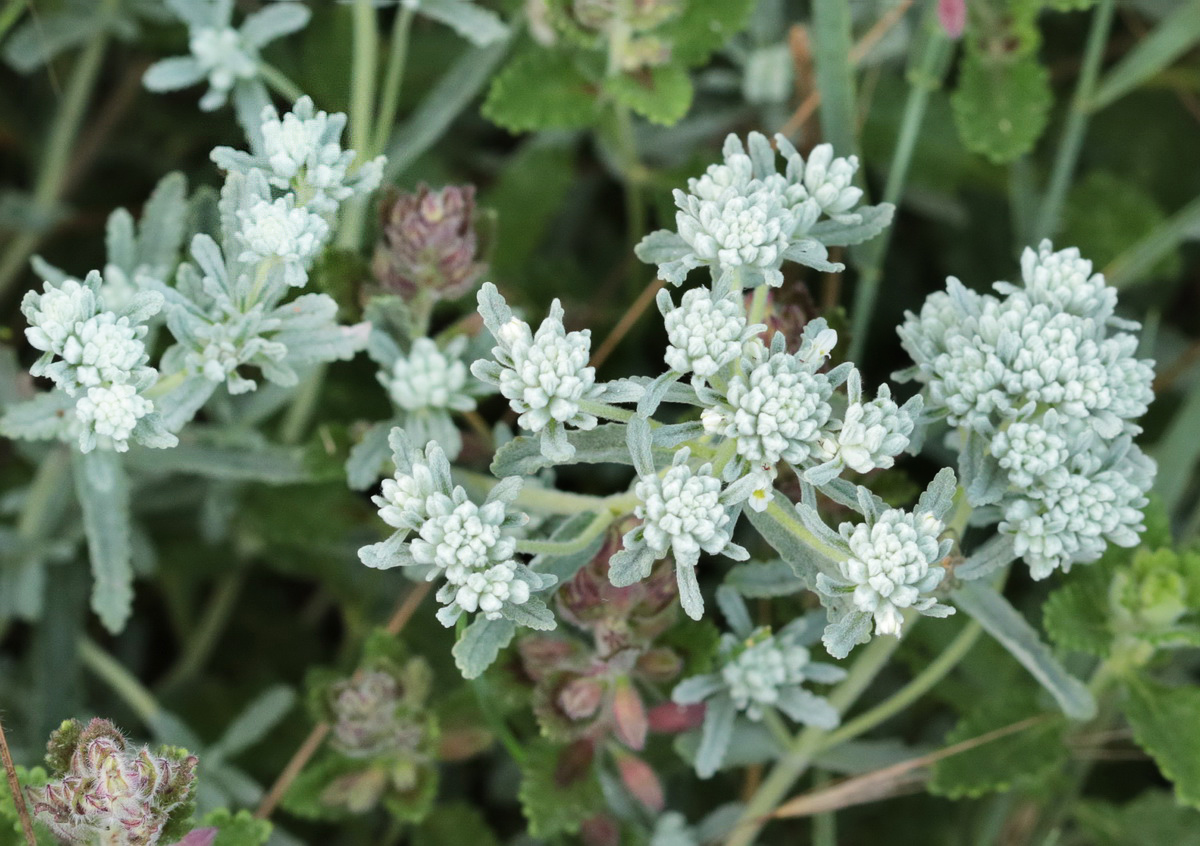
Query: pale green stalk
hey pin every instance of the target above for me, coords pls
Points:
(389, 97)
(279, 82)
(602, 521)
(362, 100)
(122, 682)
(1071, 142)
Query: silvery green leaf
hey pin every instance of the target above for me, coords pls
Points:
(42, 37)
(690, 597)
(841, 636)
(393, 552)
(119, 240)
(493, 309)
(180, 405)
(846, 493)
(273, 21)
(765, 579)
(173, 73)
(655, 392)
(734, 610)
(807, 708)
(254, 722)
(696, 689)
(1013, 632)
(151, 432)
(368, 457)
(812, 253)
(938, 498)
(506, 490)
(641, 452)
(874, 219)
(866, 504)
(679, 393)
(805, 561)
(715, 733)
(998, 551)
(163, 222)
(250, 97)
(42, 418)
(532, 614)
(554, 444)
(266, 463)
(382, 348)
(606, 444)
(662, 247)
(480, 645)
(478, 25)
(103, 491)
(982, 477)
(47, 271)
(630, 565)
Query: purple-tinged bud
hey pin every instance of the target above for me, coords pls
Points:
(369, 717)
(580, 698)
(106, 792)
(429, 243)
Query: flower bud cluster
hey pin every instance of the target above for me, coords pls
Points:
(1046, 383)
(471, 546)
(428, 243)
(893, 566)
(544, 375)
(744, 217)
(105, 791)
(705, 332)
(97, 357)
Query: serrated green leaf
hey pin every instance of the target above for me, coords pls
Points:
(703, 27)
(240, 829)
(1076, 615)
(1018, 758)
(1105, 215)
(1164, 720)
(662, 95)
(554, 796)
(1001, 105)
(454, 824)
(542, 89)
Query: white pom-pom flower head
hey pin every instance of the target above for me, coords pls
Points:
(705, 332)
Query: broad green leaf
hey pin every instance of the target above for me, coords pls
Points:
(557, 793)
(103, 491)
(1153, 817)
(454, 824)
(1106, 214)
(1001, 105)
(542, 89)
(480, 645)
(240, 829)
(1164, 721)
(662, 95)
(1019, 758)
(527, 195)
(1013, 632)
(703, 27)
(1172, 37)
(1076, 615)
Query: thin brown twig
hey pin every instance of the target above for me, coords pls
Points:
(626, 322)
(14, 785)
(312, 744)
(858, 52)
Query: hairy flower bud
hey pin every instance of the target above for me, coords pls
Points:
(108, 792)
(429, 243)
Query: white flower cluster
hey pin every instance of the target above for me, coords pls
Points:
(684, 511)
(1046, 384)
(276, 231)
(744, 217)
(706, 332)
(430, 378)
(227, 58)
(760, 670)
(870, 434)
(471, 546)
(97, 357)
(893, 565)
(544, 375)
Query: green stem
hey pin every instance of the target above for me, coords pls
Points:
(922, 683)
(758, 305)
(204, 640)
(280, 83)
(605, 411)
(393, 79)
(791, 522)
(10, 15)
(1022, 201)
(122, 682)
(303, 407)
(53, 170)
(47, 480)
(833, 73)
(1071, 143)
(923, 81)
(808, 743)
(362, 99)
(548, 500)
(165, 384)
(577, 544)
(495, 720)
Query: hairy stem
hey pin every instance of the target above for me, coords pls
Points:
(577, 544)
(280, 83)
(1071, 143)
(14, 786)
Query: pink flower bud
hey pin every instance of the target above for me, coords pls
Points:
(429, 243)
(629, 714)
(580, 698)
(669, 718)
(952, 15)
(640, 780)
